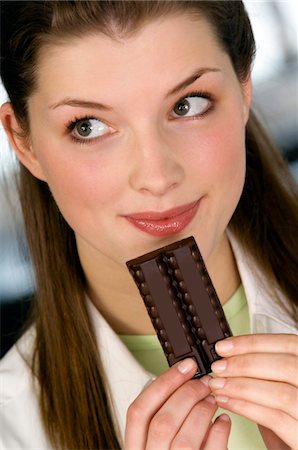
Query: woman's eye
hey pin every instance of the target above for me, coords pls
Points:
(87, 129)
(191, 106)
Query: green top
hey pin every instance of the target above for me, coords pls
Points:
(147, 350)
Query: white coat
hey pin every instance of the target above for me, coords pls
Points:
(20, 423)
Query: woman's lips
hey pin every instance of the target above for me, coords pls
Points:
(164, 223)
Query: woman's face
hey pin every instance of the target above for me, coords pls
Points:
(141, 140)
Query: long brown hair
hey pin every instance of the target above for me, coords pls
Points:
(74, 397)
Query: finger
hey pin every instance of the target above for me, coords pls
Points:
(206, 435)
(271, 440)
(168, 420)
(219, 434)
(152, 398)
(271, 394)
(283, 425)
(258, 343)
(266, 366)
(192, 432)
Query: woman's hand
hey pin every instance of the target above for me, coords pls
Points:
(175, 411)
(258, 379)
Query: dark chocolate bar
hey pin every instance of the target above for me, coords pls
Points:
(181, 302)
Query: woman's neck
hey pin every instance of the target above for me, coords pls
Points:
(116, 297)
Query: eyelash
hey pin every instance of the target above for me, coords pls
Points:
(72, 123)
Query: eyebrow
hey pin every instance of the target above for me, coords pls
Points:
(81, 103)
(197, 74)
(100, 106)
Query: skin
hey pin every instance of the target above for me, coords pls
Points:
(257, 378)
(170, 409)
(171, 163)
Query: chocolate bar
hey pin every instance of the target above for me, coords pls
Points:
(181, 302)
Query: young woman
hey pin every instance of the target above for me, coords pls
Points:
(132, 124)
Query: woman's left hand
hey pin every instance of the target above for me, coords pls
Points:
(258, 379)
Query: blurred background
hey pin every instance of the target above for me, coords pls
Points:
(275, 24)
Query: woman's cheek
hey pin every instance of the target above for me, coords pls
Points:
(218, 152)
(227, 140)
(80, 183)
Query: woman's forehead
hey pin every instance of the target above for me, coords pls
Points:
(172, 46)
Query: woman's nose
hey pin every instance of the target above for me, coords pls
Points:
(155, 168)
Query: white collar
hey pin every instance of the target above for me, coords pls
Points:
(126, 377)
(260, 297)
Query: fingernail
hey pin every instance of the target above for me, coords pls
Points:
(221, 399)
(210, 399)
(224, 346)
(219, 366)
(186, 365)
(217, 383)
(224, 418)
(205, 380)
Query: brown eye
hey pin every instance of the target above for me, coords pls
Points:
(191, 106)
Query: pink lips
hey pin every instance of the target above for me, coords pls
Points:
(164, 223)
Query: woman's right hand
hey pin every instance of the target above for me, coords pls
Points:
(175, 411)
